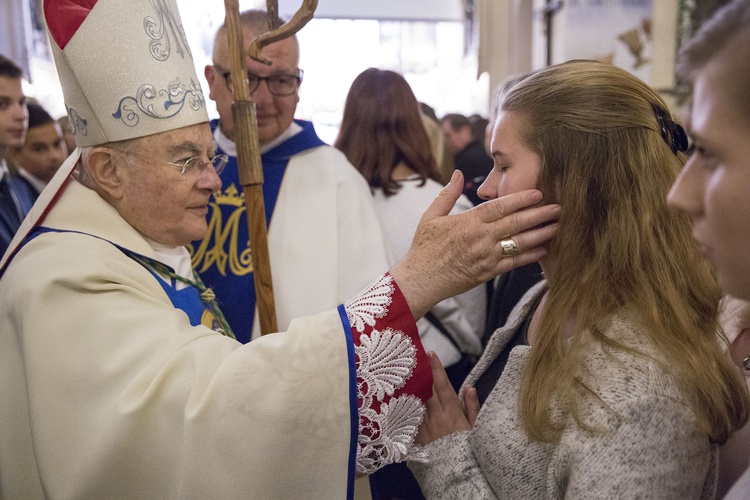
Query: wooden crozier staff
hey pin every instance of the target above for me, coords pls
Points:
(248, 146)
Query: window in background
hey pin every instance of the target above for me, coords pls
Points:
(430, 55)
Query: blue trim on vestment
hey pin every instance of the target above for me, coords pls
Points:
(353, 403)
(187, 300)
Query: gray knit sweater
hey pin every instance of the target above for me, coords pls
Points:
(649, 445)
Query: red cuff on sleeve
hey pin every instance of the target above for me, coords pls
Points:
(393, 376)
(387, 344)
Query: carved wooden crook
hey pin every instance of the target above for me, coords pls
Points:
(296, 23)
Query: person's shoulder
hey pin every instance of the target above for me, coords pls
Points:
(626, 328)
(332, 163)
(63, 258)
(624, 380)
(627, 365)
(414, 194)
(325, 151)
(70, 243)
(432, 188)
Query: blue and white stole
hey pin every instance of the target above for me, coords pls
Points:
(187, 299)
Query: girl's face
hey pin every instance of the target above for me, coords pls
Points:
(516, 166)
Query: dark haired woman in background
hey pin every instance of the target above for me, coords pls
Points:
(382, 135)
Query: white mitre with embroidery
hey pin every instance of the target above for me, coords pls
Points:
(126, 71)
(125, 67)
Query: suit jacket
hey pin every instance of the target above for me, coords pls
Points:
(17, 197)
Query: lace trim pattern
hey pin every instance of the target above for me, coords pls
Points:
(386, 435)
(371, 304)
(386, 359)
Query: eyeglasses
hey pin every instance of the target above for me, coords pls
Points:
(197, 163)
(278, 85)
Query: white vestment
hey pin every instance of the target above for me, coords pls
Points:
(108, 391)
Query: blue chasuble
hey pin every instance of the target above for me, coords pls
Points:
(223, 258)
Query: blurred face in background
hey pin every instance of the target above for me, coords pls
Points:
(43, 152)
(456, 140)
(13, 113)
(67, 131)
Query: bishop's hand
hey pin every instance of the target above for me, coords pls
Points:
(451, 254)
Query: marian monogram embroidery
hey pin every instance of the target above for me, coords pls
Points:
(221, 247)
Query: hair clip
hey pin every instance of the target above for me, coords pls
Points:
(679, 138)
(672, 133)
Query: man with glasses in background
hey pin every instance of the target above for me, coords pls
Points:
(324, 234)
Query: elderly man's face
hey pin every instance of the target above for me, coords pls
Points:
(714, 187)
(160, 202)
(275, 113)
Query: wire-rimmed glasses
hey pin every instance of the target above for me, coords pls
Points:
(196, 162)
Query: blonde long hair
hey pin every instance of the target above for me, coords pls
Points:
(595, 129)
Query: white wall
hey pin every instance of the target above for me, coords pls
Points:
(15, 38)
(415, 10)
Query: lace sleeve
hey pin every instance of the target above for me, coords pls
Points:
(393, 376)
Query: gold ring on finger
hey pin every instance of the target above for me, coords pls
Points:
(509, 247)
